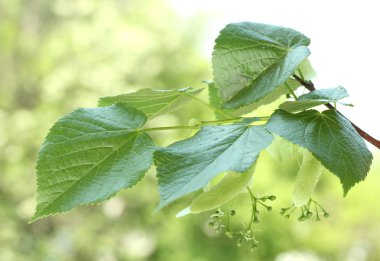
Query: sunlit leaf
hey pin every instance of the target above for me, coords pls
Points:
(330, 138)
(273, 96)
(153, 102)
(190, 164)
(316, 98)
(89, 155)
(251, 60)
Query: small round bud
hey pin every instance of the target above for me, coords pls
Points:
(253, 248)
(239, 243)
(269, 208)
(232, 212)
(272, 197)
(302, 218)
(326, 215)
(229, 234)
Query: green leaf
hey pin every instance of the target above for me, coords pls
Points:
(214, 100)
(232, 184)
(273, 96)
(330, 137)
(307, 179)
(251, 60)
(153, 102)
(89, 155)
(316, 98)
(188, 165)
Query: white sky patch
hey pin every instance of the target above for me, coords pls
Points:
(344, 37)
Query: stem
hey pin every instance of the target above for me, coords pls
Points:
(210, 106)
(220, 121)
(171, 128)
(291, 91)
(201, 124)
(228, 219)
(253, 201)
(310, 86)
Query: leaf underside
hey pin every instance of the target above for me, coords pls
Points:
(330, 138)
(153, 102)
(89, 155)
(251, 60)
(188, 165)
(316, 98)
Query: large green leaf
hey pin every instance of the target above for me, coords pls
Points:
(232, 184)
(153, 102)
(215, 101)
(307, 178)
(330, 138)
(89, 155)
(273, 96)
(251, 60)
(189, 165)
(316, 98)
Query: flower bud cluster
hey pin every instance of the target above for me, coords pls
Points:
(307, 211)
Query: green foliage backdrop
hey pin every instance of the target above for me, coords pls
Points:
(59, 55)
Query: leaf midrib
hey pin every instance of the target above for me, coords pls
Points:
(211, 162)
(174, 97)
(257, 42)
(242, 91)
(135, 135)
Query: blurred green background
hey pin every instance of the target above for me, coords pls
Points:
(58, 55)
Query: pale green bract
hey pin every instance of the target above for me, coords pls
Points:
(283, 151)
(316, 98)
(232, 184)
(188, 165)
(153, 102)
(307, 178)
(305, 71)
(89, 155)
(251, 60)
(330, 138)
